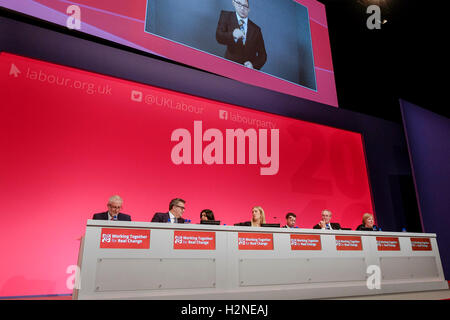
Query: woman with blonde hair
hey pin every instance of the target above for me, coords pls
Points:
(258, 216)
(367, 223)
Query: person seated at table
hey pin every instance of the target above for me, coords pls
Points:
(258, 216)
(367, 223)
(290, 220)
(207, 215)
(325, 223)
(176, 210)
(114, 205)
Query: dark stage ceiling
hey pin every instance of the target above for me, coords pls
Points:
(405, 58)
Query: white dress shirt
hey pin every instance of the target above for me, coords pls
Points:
(245, 26)
(172, 217)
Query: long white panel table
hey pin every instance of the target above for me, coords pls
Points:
(143, 260)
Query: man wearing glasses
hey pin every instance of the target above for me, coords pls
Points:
(176, 209)
(114, 205)
(243, 38)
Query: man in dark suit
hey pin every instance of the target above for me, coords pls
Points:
(243, 38)
(176, 209)
(113, 213)
(326, 223)
(291, 218)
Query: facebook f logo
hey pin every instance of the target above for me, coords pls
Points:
(223, 114)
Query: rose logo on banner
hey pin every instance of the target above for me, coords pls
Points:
(194, 240)
(305, 242)
(106, 238)
(178, 239)
(421, 244)
(388, 244)
(124, 239)
(255, 241)
(348, 243)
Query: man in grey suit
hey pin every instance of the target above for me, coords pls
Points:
(113, 213)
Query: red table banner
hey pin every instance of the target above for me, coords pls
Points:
(194, 240)
(348, 243)
(421, 244)
(388, 244)
(124, 238)
(255, 241)
(305, 242)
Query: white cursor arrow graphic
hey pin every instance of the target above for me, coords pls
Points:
(14, 71)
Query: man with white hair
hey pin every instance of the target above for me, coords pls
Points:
(325, 223)
(114, 205)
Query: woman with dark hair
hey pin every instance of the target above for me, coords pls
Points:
(206, 215)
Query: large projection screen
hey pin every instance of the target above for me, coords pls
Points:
(72, 138)
(294, 34)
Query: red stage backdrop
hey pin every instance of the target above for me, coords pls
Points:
(70, 139)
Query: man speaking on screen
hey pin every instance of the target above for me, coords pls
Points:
(243, 38)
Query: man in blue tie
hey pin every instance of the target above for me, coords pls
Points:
(243, 38)
(325, 223)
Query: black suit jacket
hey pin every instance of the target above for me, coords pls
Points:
(164, 217)
(105, 216)
(253, 50)
(335, 226)
(361, 227)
